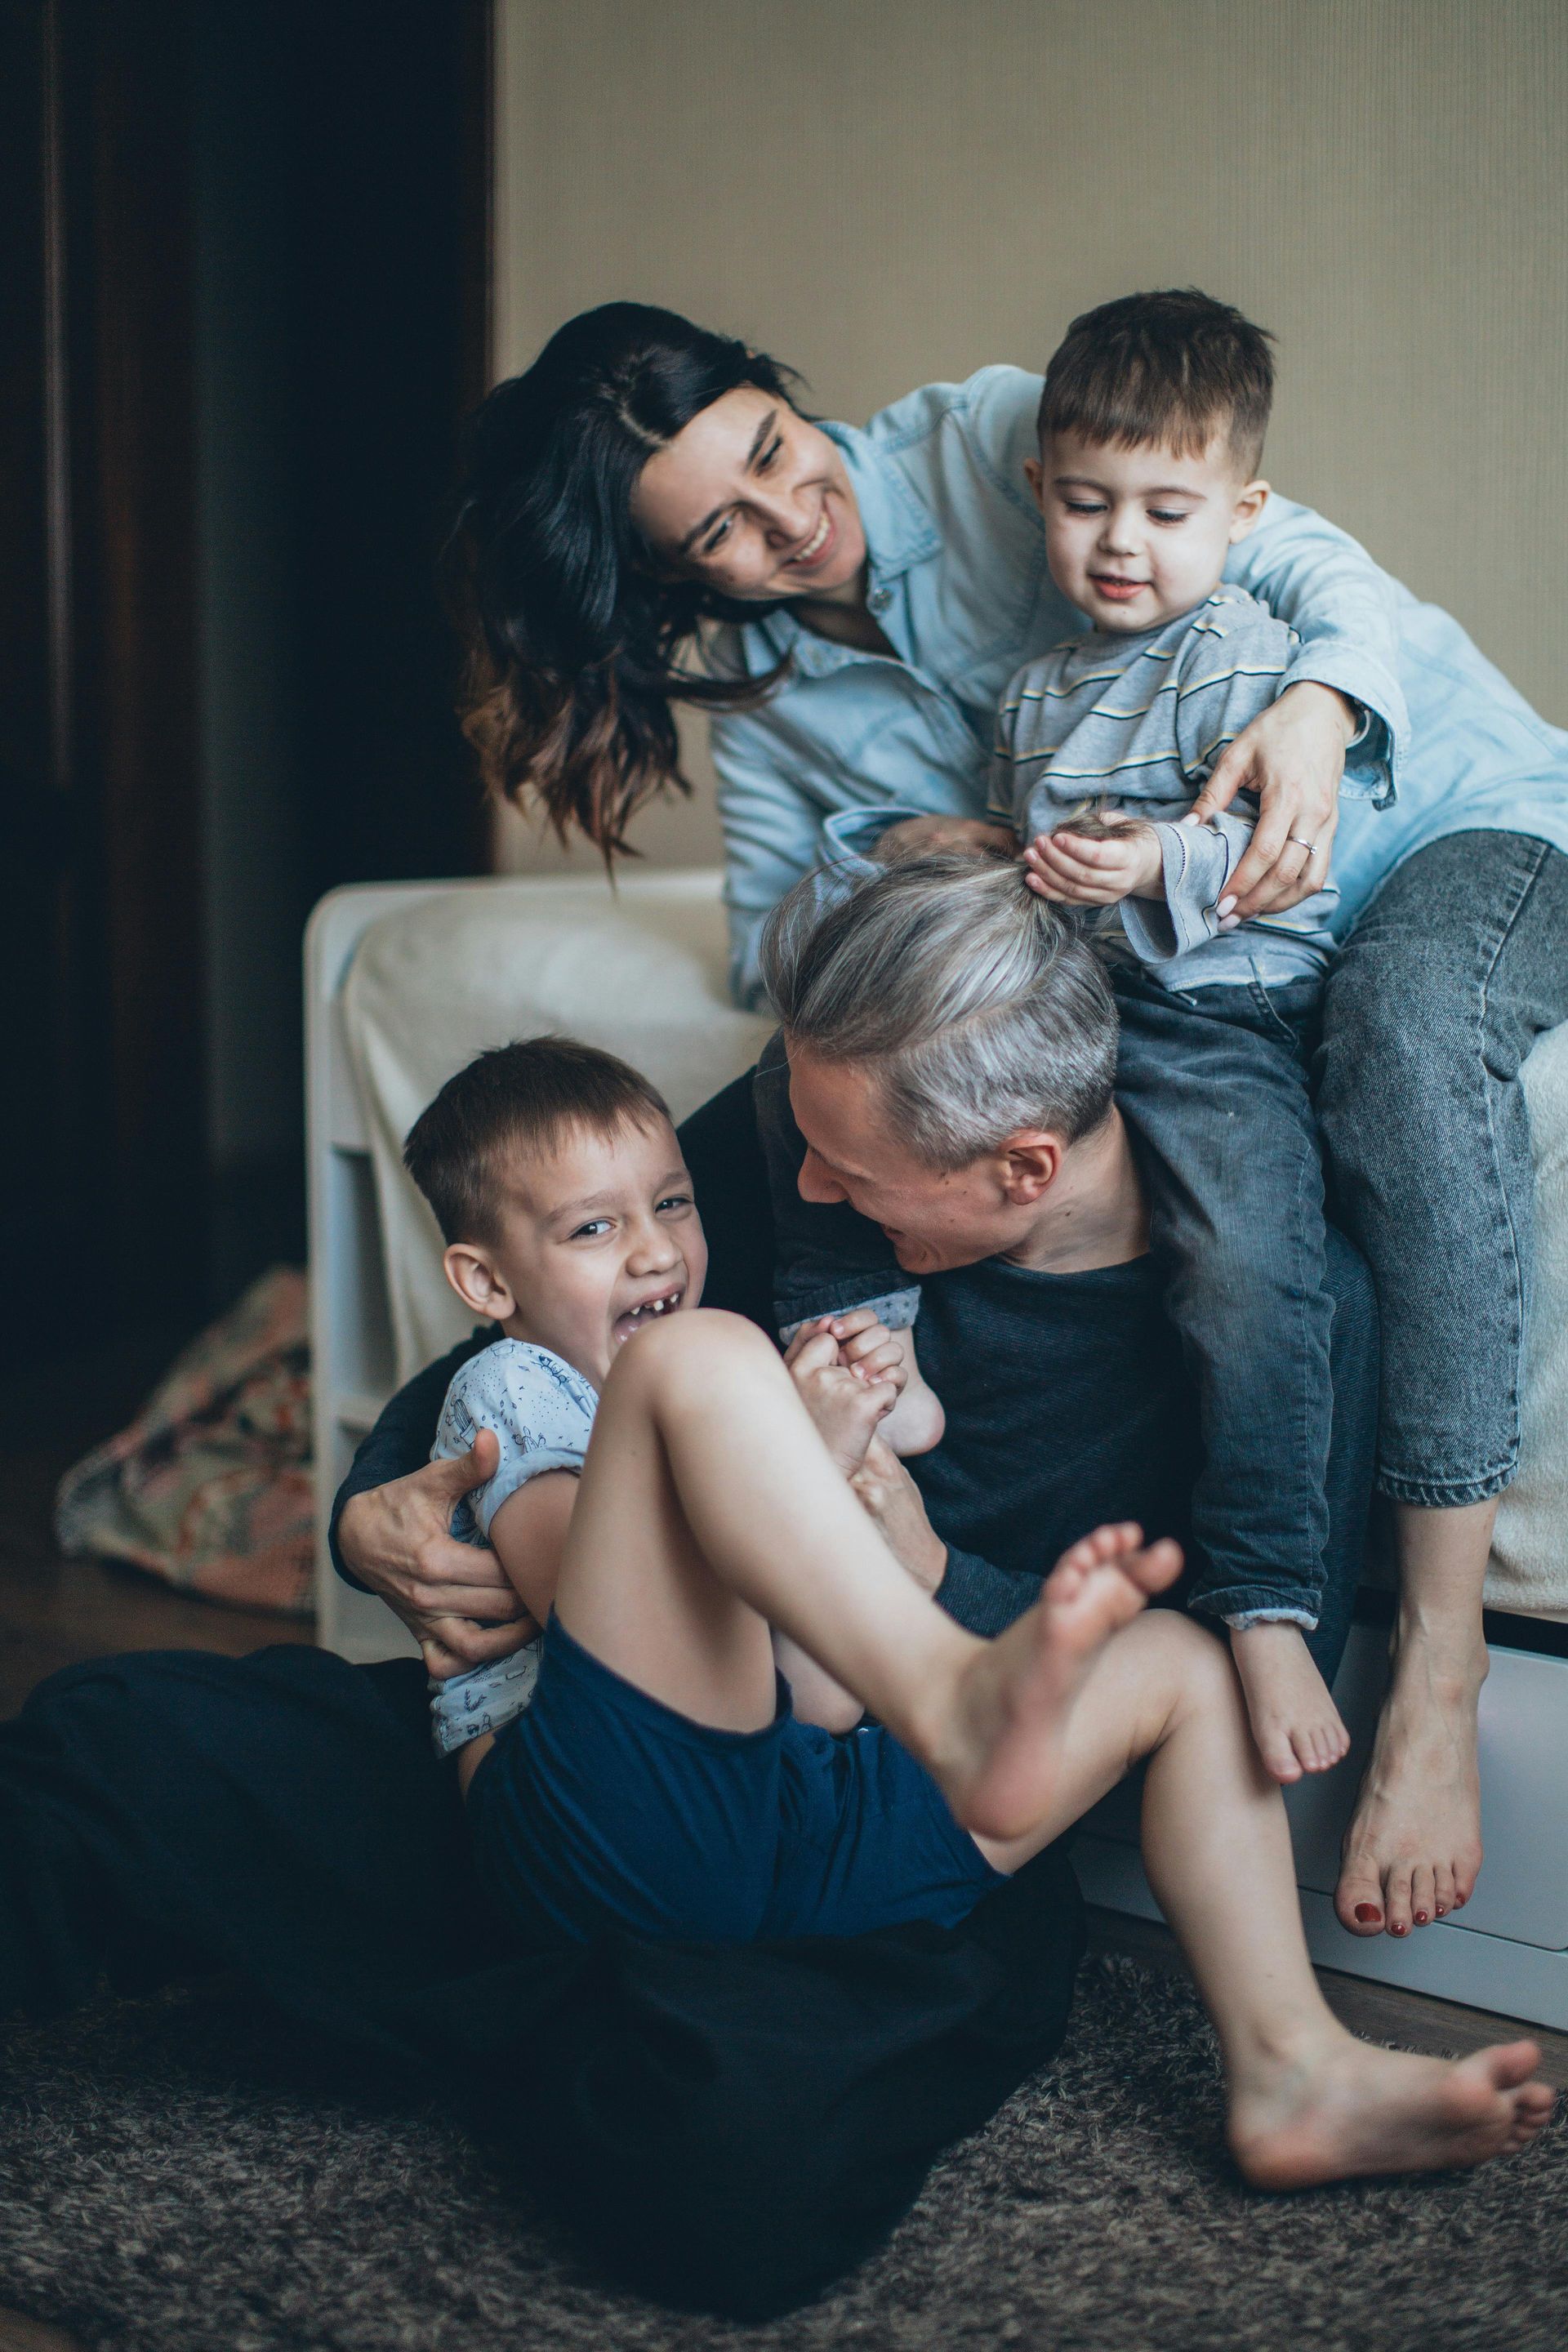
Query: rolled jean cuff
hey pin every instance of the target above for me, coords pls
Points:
(1246, 1618)
(1446, 1494)
(1255, 1603)
(895, 1308)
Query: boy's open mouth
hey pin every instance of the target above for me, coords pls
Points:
(649, 1310)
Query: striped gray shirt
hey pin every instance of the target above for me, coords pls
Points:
(1137, 723)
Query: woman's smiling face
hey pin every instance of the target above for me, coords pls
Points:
(753, 502)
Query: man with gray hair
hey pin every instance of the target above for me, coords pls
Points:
(944, 1140)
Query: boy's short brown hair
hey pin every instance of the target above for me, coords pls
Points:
(524, 1096)
(1171, 369)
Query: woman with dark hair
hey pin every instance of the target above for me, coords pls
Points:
(580, 636)
(650, 519)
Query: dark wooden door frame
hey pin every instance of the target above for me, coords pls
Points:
(102, 1196)
(105, 958)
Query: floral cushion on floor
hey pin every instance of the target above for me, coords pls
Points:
(210, 1486)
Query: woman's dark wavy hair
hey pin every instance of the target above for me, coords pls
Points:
(576, 651)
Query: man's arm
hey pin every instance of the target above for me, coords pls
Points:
(982, 1599)
(391, 1531)
(772, 836)
(400, 1441)
(1345, 612)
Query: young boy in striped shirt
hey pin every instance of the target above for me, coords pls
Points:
(1152, 427)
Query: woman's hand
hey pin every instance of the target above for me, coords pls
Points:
(895, 1503)
(1291, 757)
(397, 1541)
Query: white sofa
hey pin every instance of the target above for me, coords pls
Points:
(405, 983)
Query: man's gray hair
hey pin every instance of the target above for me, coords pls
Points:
(981, 1008)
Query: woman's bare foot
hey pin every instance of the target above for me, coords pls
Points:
(996, 1751)
(1413, 1849)
(1346, 2109)
(1294, 1721)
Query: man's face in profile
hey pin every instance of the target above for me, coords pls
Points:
(933, 1220)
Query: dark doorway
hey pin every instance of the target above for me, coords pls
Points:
(247, 256)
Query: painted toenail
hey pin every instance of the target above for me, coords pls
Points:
(1442, 1909)
(1397, 1930)
(1421, 1918)
(1368, 1913)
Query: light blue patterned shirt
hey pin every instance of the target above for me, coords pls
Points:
(542, 1411)
(958, 585)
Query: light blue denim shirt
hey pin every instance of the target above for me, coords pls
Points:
(958, 585)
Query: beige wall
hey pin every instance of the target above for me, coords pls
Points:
(886, 191)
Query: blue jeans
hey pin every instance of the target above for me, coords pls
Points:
(1213, 1085)
(1214, 1091)
(1451, 975)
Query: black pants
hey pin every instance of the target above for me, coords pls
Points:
(728, 2126)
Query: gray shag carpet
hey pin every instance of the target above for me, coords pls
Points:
(167, 2185)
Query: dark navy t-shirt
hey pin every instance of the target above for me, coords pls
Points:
(1068, 1405)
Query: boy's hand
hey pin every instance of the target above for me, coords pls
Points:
(867, 1348)
(1078, 870)
(845, 1406)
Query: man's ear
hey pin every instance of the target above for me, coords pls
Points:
(1035, 475)
(473, 1276)
(1249, 505)
(1030, 1163)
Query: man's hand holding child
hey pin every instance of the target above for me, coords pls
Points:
(454, 1598)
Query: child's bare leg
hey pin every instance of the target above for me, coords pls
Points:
(1307, 2102)
(708, 1510)
(709, 1505)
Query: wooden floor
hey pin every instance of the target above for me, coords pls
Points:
(55, 1612)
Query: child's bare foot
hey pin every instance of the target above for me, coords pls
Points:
(1294, 1721)
(845, 1406)
(996, 1754)
(1347, 2109)
(917, 1422)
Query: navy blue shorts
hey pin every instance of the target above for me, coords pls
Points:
(603, 1809)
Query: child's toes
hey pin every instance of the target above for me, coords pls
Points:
(1278, 1751)
(1331, 1741)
